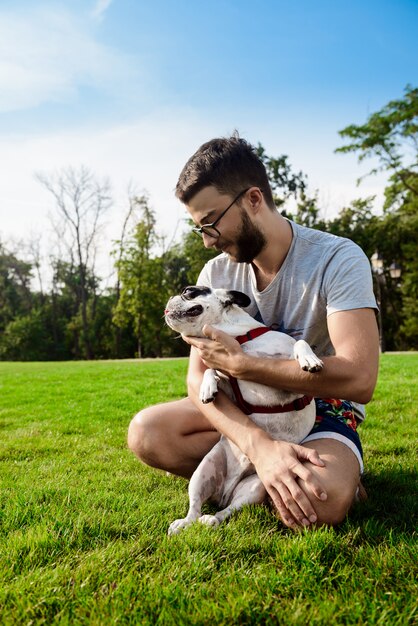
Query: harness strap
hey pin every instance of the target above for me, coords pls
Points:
(252, 334)
(246, 407)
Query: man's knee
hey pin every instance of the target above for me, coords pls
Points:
(143, 435)
(340, 478)
(334, 511)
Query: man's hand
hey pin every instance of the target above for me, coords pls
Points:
(218, 350)
(279, 466)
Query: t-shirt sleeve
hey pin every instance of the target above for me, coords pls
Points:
(347, 282)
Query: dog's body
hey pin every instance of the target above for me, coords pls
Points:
(226, 475)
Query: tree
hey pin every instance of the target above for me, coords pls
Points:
(289, 186)
(27, 338)
(283, 182)
(194, 255)
(390, 137)
(145, 275)
(15, 293)
(66, 307)
(81, 201)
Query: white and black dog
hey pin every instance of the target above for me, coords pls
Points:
(226, 475)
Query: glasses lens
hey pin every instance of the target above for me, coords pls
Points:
(211, 231)
(208, 230)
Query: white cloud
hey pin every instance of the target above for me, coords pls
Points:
(100, 8)
(46, 54)
(149, 153)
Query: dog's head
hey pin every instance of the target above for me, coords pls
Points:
(197, 306)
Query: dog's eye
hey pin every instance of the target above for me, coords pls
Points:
(193, 291)
(189, 293)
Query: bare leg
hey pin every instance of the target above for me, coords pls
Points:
(173, 436)
(340, 478)
(249, 491)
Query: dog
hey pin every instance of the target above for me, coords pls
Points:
(225, 475)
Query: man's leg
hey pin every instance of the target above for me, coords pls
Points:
(173, 436)
(340, 478)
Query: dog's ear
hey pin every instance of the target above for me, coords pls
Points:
(237, 297)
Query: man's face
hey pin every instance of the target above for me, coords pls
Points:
(238, 236)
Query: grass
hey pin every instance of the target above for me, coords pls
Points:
(83, 524)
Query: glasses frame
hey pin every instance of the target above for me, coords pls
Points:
(200, 230)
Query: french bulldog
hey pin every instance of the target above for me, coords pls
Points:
(225, 475)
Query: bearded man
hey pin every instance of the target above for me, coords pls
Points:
(312, 285)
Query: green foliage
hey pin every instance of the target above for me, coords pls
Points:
(80, 202)
(26, 339)
(195, 255)
(410, 289)
(146, 285)
(15, 293)
(390, 137)
(283, 182)
(73, 286)
(76, 321)
(287, 185)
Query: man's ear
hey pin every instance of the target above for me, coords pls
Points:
(237, 297)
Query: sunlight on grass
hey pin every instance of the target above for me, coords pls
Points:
(83, 524)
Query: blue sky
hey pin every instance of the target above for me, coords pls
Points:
(132, 88)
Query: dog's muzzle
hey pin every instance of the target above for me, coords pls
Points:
(194, 311)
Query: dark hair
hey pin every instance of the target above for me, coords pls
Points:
(228, 164)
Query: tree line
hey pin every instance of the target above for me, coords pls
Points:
(75, 318)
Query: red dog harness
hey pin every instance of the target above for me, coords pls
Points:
(246, 407)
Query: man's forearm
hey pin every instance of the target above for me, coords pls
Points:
(350, 374)
(339, 377)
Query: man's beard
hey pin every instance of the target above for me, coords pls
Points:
(250, 241)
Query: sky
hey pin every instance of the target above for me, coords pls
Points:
(130, 89)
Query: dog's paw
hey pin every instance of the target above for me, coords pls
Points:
(311, 364)
(209, 520)
(178, 525)
(206, 398)
(209, 387)
(306, 358)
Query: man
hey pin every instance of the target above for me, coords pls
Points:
(310, 284)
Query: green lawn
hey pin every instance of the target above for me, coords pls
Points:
(83, 524)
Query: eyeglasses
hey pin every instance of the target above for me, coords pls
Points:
(209, 229)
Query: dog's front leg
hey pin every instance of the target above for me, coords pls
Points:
(209, 386)
(207, 482)
(308, 361)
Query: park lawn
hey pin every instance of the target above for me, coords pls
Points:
(83, 524)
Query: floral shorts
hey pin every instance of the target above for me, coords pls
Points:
(335, 419)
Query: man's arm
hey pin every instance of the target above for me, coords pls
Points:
(278, 464)
(350, 374)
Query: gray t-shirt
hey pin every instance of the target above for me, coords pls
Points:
(321, 274)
